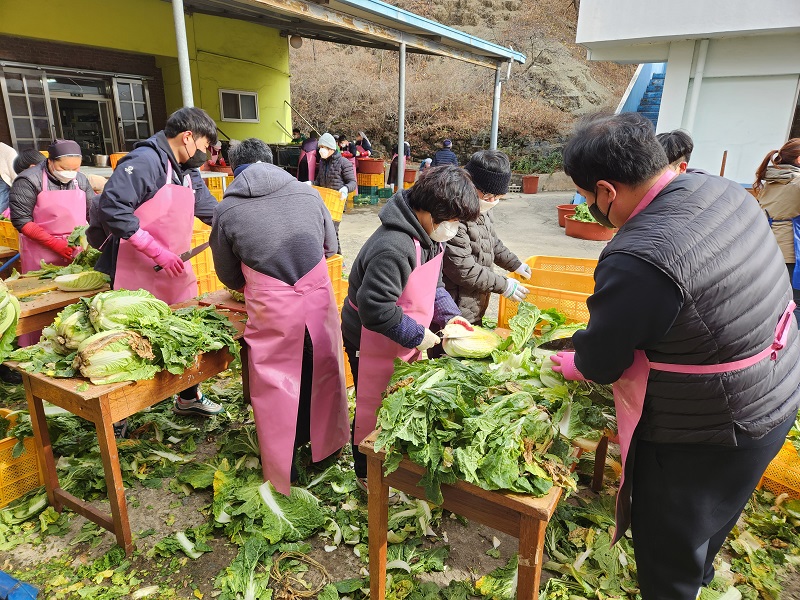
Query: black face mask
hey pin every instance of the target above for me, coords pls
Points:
(196, 160)
(598, 215)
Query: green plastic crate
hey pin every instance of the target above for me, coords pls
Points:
(368, 190)
(385, 192)
(363, 199)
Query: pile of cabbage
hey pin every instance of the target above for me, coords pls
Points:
(125, 335)
(9, 315)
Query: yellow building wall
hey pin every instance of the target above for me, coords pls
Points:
(223, 53)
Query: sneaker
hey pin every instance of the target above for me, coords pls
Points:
(200, 406)
(361, 483)
(121, 429)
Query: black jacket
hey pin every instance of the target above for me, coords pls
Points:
(137, 178)
(335, 172)
(695, 278)
(381, 270)
(445, 156)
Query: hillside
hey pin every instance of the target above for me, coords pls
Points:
(341, 88)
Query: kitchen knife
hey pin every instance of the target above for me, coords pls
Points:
(188, 255)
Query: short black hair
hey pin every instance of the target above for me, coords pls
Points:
(296, 130)
(677, 144)
(621, 148)
(447, 193)
(191, 118)
(25, 159)
(249, 151)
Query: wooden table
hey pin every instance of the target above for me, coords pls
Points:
(104, 405)
(519, 515)
(41, 310)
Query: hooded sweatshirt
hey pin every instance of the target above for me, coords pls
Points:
(139, 175)
(380, 274)
(273, 224)
(780, 200)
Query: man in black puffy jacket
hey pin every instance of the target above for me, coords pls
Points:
(688, 299)
(445, 156)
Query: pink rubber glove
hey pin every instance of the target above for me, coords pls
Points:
(147, 245)
(565, 364)
(461, 321)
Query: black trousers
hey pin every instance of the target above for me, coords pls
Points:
(686, 500)
(796, 293)
(359, 460)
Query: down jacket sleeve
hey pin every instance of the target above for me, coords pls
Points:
(348, 175)
(463, 270)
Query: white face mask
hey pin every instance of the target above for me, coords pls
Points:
(444, 231)
(486, 206)
(65, 176)
(325, 152)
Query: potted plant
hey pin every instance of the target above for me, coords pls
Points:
(565, 210)
(583, 225)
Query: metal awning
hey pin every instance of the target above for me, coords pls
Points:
(369, 23)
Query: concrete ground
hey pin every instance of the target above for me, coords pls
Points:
(527, 224)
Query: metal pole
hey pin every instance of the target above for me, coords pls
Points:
(498, 86)
(183, 53)
(697, 82)
(401, 119)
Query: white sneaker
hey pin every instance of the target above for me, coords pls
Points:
(199, 406)
(394, 497)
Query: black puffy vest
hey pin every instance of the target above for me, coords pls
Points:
(710, 237)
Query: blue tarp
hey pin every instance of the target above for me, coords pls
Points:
(13, 589)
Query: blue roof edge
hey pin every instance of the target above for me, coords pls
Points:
(398, 14)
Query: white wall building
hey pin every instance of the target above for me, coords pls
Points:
(732, 70)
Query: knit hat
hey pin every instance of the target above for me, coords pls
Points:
(489, 182)
(326, 139)
(61, 148)
(447, 143)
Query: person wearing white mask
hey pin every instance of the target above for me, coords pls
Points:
(334, 171)
(46, 202)
(473, 252)
(395, 287)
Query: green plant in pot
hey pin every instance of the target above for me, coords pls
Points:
(582, 214)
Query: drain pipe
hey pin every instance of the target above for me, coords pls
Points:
(697, 82)
(498, 86)
(183, 53)
(401, 118)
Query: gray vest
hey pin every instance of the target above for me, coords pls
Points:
(710, 237)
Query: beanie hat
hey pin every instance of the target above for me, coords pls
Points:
(489, 182)
(326, 139)
(61, 148)
(447, 143)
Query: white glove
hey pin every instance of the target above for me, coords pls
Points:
(343, 192)
(429, 340)
(309, 182)
(524, 270)
(515, 291)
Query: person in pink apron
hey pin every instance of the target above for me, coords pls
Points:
(270, 236)
(145, 216)
(691, 320)
(47, 202)
(307, 165)
(395, 287)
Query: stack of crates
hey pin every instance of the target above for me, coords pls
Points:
(203, 263)
(385, 193)
(19, 475)
(335, 265)
(556, 282)
(9, 236)
(363, 199)
(216, 185)
(369, 180)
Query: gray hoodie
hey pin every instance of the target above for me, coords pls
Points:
(381, 270)
(273, 224)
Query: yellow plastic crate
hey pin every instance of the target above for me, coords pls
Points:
(20, 475)
(333, 202)
(572, 304)
(553, 274)
(407, 184)
(8, 235)
(348, 374)
(370, 179)
(783, 473)
(203, 263)
(217, 193)
(214, 183)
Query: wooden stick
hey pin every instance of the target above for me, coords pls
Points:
(722, 167)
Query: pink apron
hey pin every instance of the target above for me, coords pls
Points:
(168, 217)
(631, 388)
(278, 315)
(377, 352)
(58, 212)
(311, 161)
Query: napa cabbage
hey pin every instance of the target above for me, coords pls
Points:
(113, 356)
(122, 309)
(476, 342)
(83, 281)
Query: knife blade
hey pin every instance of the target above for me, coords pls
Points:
(189, 254)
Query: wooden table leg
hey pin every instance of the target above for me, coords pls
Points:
(531, 556)
(599, 463)
(114, 485)
(244, 352)
(43, 445)
(378, 508)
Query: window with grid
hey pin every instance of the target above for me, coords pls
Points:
(133, 111)
(26, 99)
(238, 106)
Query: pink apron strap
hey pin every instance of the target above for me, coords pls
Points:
(659, 185)
(771, 351)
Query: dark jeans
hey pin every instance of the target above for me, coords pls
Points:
(686, 500)
(790, 268)
(359, 460)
